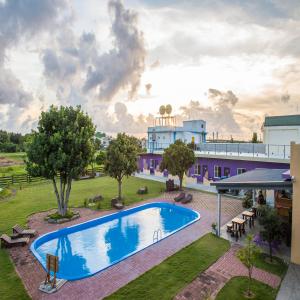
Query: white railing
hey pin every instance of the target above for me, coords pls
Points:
(233, 149)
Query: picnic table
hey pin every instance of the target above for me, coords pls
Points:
(238, 227)
(249, 215)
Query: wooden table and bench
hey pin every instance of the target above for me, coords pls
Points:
(238, 227)
(248, 215)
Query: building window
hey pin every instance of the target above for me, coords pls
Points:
(227, 172)
(197, 169)
(204, 170)
(152, 163)
(217, 171)
(240, 171)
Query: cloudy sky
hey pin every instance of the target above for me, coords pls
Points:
(228, 62)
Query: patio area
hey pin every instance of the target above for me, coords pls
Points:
(110, 280)
(282, 251)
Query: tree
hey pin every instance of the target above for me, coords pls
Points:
(247, 256)
(177, 159)
(100, 158)
(61, 149)
(272, 228)
(254, 137)
(121, 159)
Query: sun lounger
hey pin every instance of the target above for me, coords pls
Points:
(187, 199)
(116, 203)
(6, 241)
(17, 229)
(180, 197)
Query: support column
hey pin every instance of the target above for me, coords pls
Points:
(253, 197)
(219, 215)
(295, 172)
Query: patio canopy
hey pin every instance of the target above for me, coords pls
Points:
(270, 179)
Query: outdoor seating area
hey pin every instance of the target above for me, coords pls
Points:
(7, 241)
(116, 203)
(237, 226)
(171, 186)
(184, 198)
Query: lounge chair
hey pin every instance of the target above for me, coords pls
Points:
(7, 241)
(143, 190)
(179, 197)
(187, 199)
(170, 186)
(116, 203)
(21, 232)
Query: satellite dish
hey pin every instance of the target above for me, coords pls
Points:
(168, 109)
(162, 110)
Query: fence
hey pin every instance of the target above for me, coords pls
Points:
(234, 149)
(26, 178)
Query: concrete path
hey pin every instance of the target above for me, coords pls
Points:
(290, 286)
(195, 186)
(210, 282)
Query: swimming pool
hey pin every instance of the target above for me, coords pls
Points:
(88, 248)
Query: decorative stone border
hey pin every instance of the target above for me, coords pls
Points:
(63, 220)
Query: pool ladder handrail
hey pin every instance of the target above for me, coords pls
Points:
(155, 235)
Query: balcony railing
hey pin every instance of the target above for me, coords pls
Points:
(233, 149)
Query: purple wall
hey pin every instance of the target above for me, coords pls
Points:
(233, 165)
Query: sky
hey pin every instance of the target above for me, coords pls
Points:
(228, 62)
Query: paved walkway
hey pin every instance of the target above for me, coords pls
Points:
(290, 286)
(195, 186)
(210, 282)
(108, 281)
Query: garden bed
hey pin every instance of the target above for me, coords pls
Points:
(56, 218)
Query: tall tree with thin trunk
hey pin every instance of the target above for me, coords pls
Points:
(272, 228)
(247, 255)
(61, 149)
(177, 159)
(121, 158)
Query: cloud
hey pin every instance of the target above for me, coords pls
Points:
(285, 98)
(20, 20)
(122, 121)
(148, 87)
(219, 115)
(122, 66)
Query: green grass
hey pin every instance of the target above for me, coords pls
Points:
(235, 288)
(17, 156)
(12, 170)
(40, 197)
(11, 286)
(279, 267)
(168, 278)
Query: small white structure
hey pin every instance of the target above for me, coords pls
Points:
(281, 130)
(161, 136)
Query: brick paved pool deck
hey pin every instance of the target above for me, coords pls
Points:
(211, 281)
(110, 280)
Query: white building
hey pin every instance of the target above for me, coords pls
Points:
(165, 133)
(281, 130)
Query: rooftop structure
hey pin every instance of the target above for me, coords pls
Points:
(165, 132)
(281, 130)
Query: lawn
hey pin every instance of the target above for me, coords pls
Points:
(40, 197)
(17, 156)
(236, 286)
(168, 278)
(278, 267)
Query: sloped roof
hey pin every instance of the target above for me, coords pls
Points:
(256, 179)
(291, 120)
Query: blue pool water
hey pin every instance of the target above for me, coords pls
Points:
(90, 247)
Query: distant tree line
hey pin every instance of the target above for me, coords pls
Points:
(12, 142)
